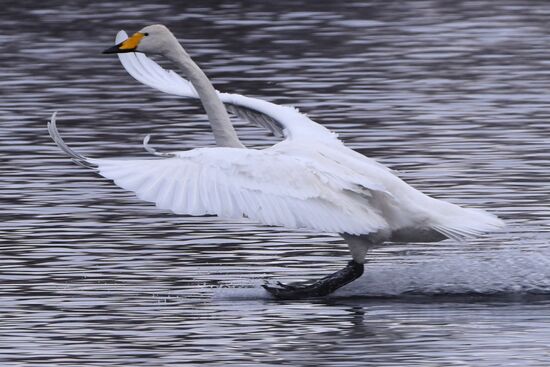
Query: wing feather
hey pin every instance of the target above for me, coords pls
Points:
(280, 120)
(265, 186)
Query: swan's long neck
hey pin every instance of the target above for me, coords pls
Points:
(223, 130)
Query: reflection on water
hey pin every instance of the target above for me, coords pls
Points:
(455, 96)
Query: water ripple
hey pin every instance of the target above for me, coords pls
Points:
(453, 95)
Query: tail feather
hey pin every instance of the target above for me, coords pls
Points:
(463, 223)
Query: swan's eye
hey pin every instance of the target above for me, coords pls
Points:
(146, 34)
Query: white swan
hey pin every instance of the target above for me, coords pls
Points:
(310, 180)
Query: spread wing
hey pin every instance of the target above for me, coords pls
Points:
(283, 121)
(266, 186)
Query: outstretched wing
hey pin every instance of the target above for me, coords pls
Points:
(281, 120)
(267, 186)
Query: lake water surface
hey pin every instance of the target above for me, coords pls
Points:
(455, 96)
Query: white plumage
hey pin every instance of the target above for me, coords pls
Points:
(289, 190)
(281, 120)
(310, 180)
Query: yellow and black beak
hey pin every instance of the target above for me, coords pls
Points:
(128, 45)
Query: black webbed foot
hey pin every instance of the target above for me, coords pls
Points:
(321, 287)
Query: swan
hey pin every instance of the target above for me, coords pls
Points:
(310, 180)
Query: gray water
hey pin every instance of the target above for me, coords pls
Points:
(455, 96)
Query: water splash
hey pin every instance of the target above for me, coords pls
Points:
(506, 272)
(509, 272)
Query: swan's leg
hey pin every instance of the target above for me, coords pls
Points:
(321, 287)
(358, 246)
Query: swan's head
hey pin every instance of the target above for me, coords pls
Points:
(153, 39)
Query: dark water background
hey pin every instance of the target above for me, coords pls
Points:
(453, 95)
